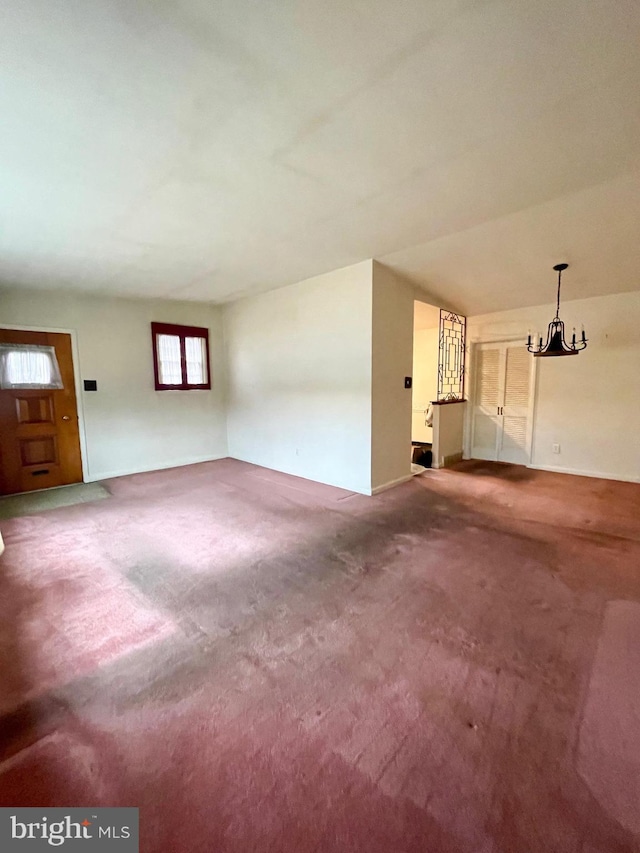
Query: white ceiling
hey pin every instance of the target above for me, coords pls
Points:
(203, 150)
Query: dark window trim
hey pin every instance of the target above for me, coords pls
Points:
(181, 332)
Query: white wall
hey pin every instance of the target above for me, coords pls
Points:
(425, 380)
(448, 433)
(392, 360)
(316, 378)
(299, 362)
(589, 404)
(129, 426)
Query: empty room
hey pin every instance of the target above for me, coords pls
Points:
(314, 535)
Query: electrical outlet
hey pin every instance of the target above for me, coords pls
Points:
(555, 448)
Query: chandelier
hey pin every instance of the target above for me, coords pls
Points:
(556, 344)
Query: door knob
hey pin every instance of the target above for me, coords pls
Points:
(66, 418)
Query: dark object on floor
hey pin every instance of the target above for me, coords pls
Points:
(425, 459)
(422, 454)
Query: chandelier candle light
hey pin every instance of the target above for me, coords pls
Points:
(556, 344)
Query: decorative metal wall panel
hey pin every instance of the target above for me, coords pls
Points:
(451, 349)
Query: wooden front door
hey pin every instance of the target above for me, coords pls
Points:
(39, 434)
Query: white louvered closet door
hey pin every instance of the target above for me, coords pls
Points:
(503, 388)
(514, 445)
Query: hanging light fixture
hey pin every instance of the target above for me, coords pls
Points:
(556, 344)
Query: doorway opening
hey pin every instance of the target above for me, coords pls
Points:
(39, 425)
(438, 402)
(426, 321)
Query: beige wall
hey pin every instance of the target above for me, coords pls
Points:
(448, 433)
(425, 380)
(392, 360)
(300, 378)
(128, 425)
(316, 378)
(589, 404)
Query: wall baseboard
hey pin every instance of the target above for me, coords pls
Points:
(449, 460)
(390, 485)
(108, 475)
(599, 475)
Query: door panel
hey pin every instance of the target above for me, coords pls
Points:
(488, 377)
(33, 410)
(39, 432)
(517, 371)
(513, 446)
(487, 388)
(485, 436)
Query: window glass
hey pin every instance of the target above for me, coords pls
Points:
(169, 362)
(29, 366)
(196, 352)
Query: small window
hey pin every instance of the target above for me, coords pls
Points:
(29, 366)
(180, 357)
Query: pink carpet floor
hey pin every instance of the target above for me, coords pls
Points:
(261, 663)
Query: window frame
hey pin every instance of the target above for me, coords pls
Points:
(181, 332)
